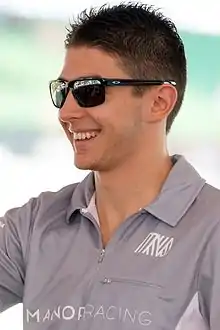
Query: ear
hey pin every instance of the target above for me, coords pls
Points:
(163, 100)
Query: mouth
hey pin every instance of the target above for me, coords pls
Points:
(84, 136)
(82, 140)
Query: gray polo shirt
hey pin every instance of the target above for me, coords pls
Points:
(160, 262)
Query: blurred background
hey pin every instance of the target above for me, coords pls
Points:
(34, 155)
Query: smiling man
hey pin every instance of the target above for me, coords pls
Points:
(135, 245)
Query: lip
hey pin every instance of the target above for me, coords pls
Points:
(82, 146)
(89, 130)
(85, 140)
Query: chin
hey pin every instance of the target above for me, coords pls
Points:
(81, 166)
(86, 166)
(89, 166)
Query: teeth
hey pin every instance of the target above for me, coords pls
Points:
(84, 135)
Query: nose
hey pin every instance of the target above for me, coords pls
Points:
(70, 110)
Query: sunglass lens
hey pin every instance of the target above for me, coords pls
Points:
(58, 92)
(90, 95)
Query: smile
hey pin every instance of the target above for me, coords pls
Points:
(84, 135)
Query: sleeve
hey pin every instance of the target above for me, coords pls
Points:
(14, 239)
(209, 283)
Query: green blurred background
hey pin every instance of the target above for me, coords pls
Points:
(32, 53)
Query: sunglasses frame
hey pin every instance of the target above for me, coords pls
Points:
(105, 82)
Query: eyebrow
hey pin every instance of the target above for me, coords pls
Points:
(81, 77)
(63, 79)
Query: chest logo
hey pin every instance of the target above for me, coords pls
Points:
(155, 245)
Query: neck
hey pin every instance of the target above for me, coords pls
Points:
(135, 184)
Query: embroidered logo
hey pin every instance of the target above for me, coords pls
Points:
(155, 245)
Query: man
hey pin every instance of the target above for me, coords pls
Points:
(135, 244)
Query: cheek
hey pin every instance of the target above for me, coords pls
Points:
(120, 112)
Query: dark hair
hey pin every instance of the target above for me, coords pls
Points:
(146, 42)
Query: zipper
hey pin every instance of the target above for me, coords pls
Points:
(131, 282)
(94, 222)
(101, 256)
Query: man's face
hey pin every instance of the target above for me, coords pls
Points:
(117, 124)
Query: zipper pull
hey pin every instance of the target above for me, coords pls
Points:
(101, 256)
(106, 281)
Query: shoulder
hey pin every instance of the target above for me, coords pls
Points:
(57, 199)
(23, 217)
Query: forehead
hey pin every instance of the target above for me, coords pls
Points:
(85, 62)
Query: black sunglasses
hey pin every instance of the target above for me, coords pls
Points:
(90, 92)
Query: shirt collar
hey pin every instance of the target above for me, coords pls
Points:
(178, 193)
(81, 197)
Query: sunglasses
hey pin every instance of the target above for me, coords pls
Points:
(90, 92)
